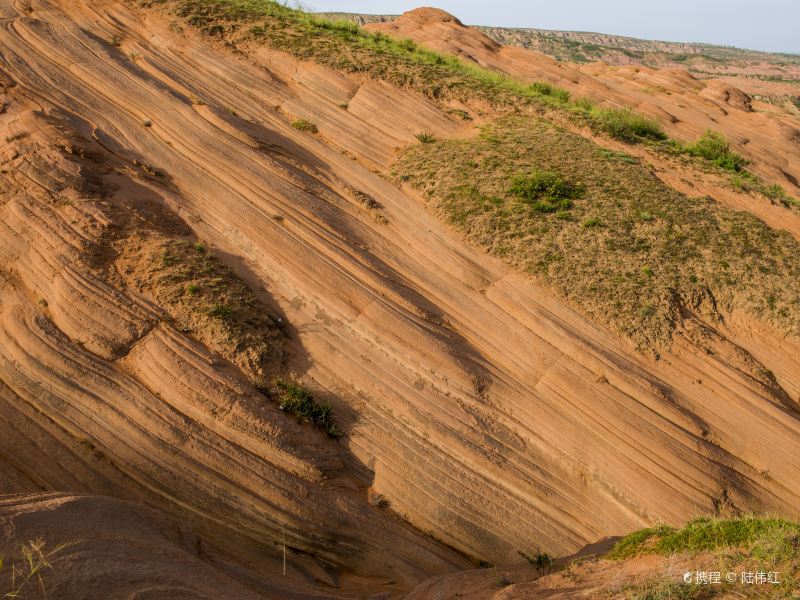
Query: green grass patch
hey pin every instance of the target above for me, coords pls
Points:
(757, 535)
(512, 191)
(750, 543)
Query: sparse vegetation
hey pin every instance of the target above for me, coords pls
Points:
(304, 125)
(592, 222)
(425, 138)
(665, 589)
(378, 500)
(501, 580)
(298, 401)
(539, 560)
(207, 298)
(26, 577)
(714, 149)
(703, 255)
(16, 136)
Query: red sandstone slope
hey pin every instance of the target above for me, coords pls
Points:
(493, 417)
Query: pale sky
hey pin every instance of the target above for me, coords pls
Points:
(756, 24)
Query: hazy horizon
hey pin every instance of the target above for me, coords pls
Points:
(772, 26)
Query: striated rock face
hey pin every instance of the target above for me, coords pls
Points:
(493, 418)
(724, 94)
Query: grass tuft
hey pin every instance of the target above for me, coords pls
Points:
(304, 125)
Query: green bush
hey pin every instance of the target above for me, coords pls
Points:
(546, 191)
(626, 125)
(297, 400)
(303, 125)
(713, 147)
(425, 138)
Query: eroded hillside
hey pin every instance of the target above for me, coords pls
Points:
(200, 231)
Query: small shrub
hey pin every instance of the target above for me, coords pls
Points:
(425, 138)
(626, 125)
(546, 191)
(193, 289)
(541, 561)
(648, 271)
(303, 125)
(378, 500)
(713, 147)
(297, 400)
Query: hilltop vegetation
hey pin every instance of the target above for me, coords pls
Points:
(602, 231)
(342, 45)
(745, 545)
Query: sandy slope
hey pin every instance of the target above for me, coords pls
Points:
(492, 416)
(685, 106)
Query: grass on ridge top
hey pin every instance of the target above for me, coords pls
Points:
(615, 241)
(343, 45)
(746, 544)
